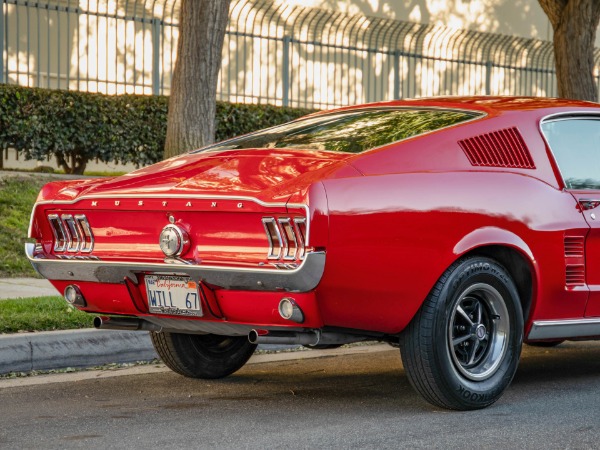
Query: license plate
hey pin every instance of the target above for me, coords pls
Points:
(173, 295)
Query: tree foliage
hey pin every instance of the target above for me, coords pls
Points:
(574, 23)
(76, 127)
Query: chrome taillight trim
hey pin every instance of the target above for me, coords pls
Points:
(287, 237)
(59, 232)
(87, 244)
(290, 244)
(72, 234)
(273, 233)
(300, 227)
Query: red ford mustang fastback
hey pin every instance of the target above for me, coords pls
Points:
(457, 228)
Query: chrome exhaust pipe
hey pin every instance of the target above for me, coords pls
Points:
(285, 338)
(314, 337)
(124, 323)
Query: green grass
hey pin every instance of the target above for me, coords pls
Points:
(103, 173)
(17, 196)
(41, 314)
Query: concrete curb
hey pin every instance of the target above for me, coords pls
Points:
(25, 352)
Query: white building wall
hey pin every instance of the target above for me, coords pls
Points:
(522, 18)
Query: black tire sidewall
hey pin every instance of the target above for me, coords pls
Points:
(199, 356)
(470, 393)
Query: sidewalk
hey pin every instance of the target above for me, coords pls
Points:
(26, 287)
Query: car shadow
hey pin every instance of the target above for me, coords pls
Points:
(567, 362)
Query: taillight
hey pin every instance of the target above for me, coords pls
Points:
(87, 243)
(274, 237)
(286, 236)
(72, 234)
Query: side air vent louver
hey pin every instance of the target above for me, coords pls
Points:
(574, 246)
(575, 275)
(501, 148)
(574, 261)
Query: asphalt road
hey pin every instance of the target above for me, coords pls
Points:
(349, 401)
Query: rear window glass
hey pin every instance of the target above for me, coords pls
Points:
(349, 132)
(575, 144)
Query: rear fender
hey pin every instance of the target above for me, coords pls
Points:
(497, 237)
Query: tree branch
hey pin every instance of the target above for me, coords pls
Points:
(554, 10)
(596, 12)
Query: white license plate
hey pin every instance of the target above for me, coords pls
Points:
(173, 295)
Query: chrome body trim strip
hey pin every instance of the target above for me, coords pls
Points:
(564, 329)
(304, 278)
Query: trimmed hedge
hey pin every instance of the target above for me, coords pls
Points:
(76, 127)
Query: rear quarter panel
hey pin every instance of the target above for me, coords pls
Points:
(392, 236)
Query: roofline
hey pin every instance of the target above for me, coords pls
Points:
(482, 103)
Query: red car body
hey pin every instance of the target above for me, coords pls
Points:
(367, 235)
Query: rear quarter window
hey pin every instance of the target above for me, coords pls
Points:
(575, 144)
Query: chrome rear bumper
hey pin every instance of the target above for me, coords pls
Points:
(304, 278)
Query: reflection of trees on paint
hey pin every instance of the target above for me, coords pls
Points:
(577, 183)
(350, 132)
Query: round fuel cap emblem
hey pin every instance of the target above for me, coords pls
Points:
(173, 240)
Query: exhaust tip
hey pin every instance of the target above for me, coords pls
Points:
(99, 321)
(253, 337)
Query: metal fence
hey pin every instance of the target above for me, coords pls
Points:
(273, 53)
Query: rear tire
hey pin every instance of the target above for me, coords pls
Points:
(205, 356)
(462, 348)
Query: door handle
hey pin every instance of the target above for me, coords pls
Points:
(588, 203)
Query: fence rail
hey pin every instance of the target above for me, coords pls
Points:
(273, 53)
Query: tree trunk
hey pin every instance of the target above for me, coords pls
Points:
(192, 105)
(77, 167)
(574, 23)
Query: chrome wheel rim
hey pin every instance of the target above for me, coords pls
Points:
(478, 332)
